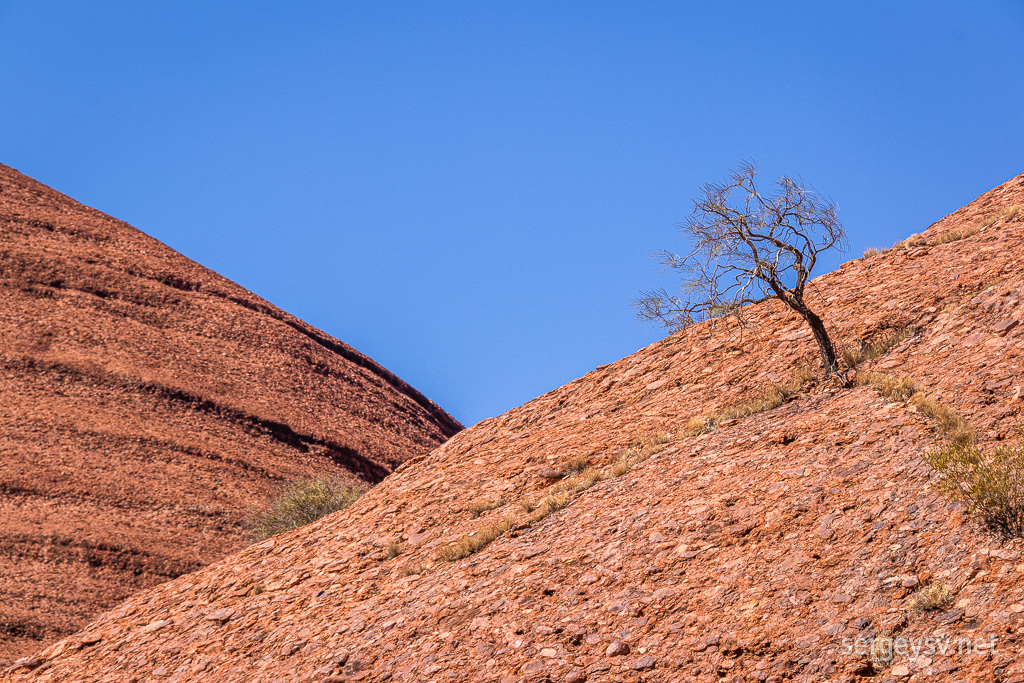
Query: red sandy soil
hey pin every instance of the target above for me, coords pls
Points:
(147, 403)
(744, 554)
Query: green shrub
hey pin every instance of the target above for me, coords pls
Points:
(303, 502)
(990, 484)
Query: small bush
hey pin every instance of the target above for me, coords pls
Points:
(1004, 215)
(652, 445)
(935, 596)
(802, 375)
(990, 484)
(659, 438)
(893, 388)
(871, 251)
(301, 503)
(478, 507)
(952, 426)
(469, 544)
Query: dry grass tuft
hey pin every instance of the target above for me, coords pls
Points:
(394, 548)
(772, 396)
(414, 568)
(581, 482)
(957, 234)
(552, 502)
(861, 353)
(1004, 215)
(700, 424)
(952, 426)
(576, 464)
(478, 507)
(990, 484)
(620, 468)
(475, 542)
(935, 596)
(653, 445)
(589, 477)
(915, 240)
(659, 438)
(802, 375)
(871, 251)
(301, 503)
(893, 388)
(881, 652)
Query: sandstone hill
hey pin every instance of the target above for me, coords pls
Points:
(146, 403)
(745, 553)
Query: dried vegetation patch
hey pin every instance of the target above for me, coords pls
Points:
(639, 451)
(1004, 215)
(893, 388)
(952, 425)
(771, 396)
(861, 352)
(576, 464)
(478, 507)
(935, 596)
(581, 482)
(553, 502)
(474, 542)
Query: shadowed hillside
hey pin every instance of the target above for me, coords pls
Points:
(146, 403)
(748, 552)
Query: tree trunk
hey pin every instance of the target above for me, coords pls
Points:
(825, 346)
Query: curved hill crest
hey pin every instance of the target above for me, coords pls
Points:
(146, 403)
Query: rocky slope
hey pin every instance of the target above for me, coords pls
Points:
(747, 553)
(146, 403)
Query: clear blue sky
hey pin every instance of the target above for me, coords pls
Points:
(469, 191)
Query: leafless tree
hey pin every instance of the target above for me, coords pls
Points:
(748, 247)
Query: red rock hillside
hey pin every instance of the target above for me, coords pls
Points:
(146, 403)
(748, 553)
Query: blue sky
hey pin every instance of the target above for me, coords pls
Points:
(469, 192)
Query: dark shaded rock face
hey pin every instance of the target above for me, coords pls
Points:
(146, 403)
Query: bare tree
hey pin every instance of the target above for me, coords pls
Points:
(746, 249)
